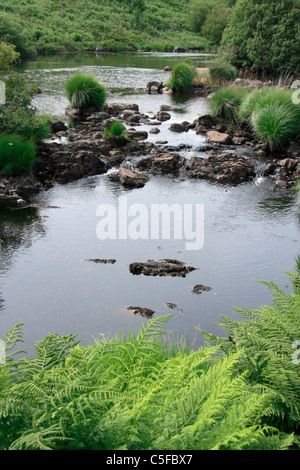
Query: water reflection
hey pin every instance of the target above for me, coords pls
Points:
(19, 228)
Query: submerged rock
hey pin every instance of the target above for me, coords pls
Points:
(103, 261)
(141, 311)
(164, 267)
(199, 288)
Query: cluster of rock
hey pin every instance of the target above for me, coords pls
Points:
(87, 152)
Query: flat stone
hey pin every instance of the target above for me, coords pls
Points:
(218, 137)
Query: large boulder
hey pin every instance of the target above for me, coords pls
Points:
(224, 168)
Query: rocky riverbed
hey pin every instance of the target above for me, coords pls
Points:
(83, 150)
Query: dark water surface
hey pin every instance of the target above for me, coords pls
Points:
(251, 232)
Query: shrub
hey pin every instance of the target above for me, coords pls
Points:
(16, 155)
(18, 116)
(83, 91)
(264, 36)
(221, 71)
(226, 101)
(8, 55)
(182, 76)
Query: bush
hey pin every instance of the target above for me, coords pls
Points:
(264, 36)
(221, 71)
(16, 155)
(18, 116)
(226, 102)
(84, 91)
(182, 76)
(8, 55)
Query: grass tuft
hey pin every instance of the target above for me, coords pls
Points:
(226, 102)
(16, 155)
(84, 91)
(182, 76)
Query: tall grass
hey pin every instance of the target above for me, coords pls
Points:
(182, 76)
(16, 155)
(84, 91)
(273, 116)
(226, 102)
(275, 124)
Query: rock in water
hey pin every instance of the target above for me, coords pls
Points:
(164, 267)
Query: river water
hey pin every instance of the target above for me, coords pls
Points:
(250, 232)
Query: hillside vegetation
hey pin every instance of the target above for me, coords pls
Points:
(40, 26)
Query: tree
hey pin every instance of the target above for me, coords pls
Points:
(215, 22)
(264, 36)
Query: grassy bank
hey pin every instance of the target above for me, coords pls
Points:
(37, 26)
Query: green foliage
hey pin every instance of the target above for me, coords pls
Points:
(82, 26)
(116, 133)
(137, 393)
(215, 23)
(84, 91)
(182, 76)
(8, 55)
(226, 101)
(273, 116)
(276, 124)
(221, 71)
(264, 36)
(18, 116)
(16, 155)
(269, 338)
(198, 13)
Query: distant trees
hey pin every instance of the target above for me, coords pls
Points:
(210, 18)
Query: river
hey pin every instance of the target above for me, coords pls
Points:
(251, 232)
